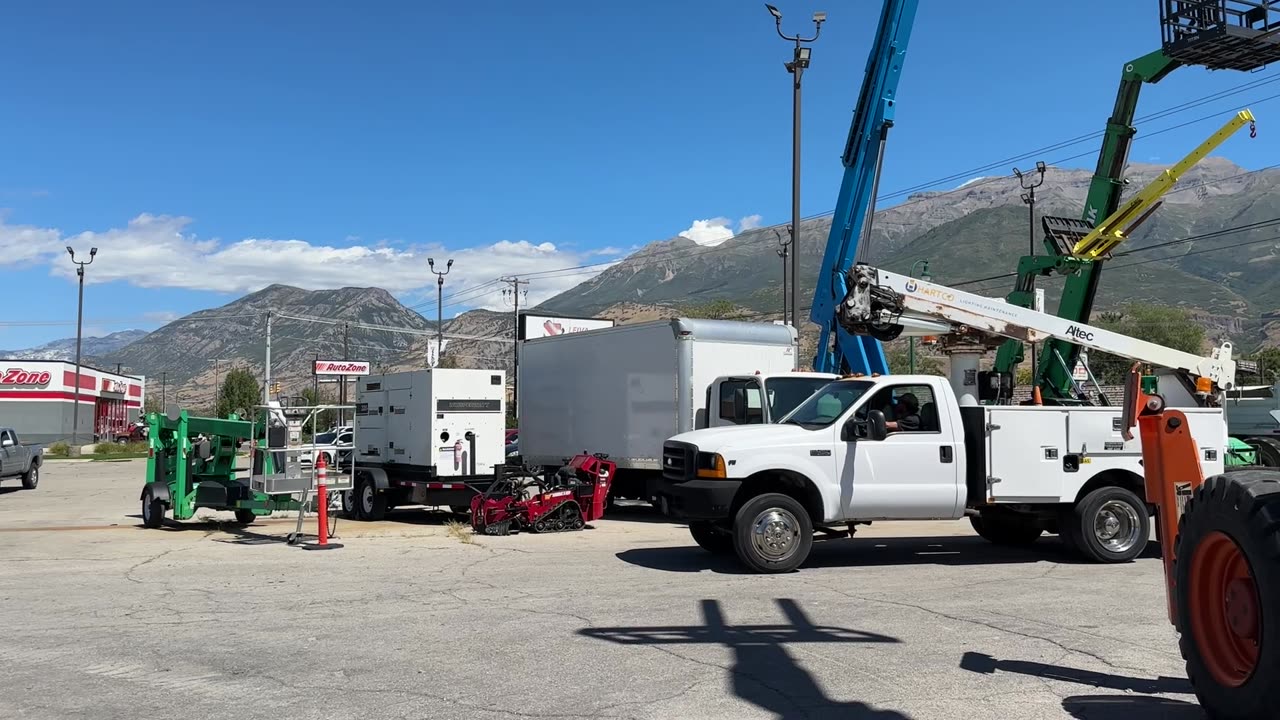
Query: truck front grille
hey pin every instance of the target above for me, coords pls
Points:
(678, 461)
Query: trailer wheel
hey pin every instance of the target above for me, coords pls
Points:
(152, 510)
(772, 533)
(712, 537)
(349, 504)
(1110, 525)
(31, 478)
(1227, 590)
(371, 503)
(245, 517)
(1001, 527)
(1266, 451)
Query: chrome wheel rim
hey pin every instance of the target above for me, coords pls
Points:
(1117, 526)
(775, 534)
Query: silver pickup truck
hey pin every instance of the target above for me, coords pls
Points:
(18, 460)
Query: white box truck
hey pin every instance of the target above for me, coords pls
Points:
(623, 391)
(427, 437)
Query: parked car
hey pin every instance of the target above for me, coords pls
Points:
(333, 445)
(136, 432)
(18, 460)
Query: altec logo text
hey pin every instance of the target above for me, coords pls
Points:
(1080, 334)
(29, 378)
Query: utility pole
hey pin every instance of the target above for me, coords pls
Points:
(514, 293)
(342, 388)
(784, 247)
(164, 391)
(266, 385)
(911, 342)
(75, 408)
(217, 390)
(315, 382)
(799, 63)
(1029, 197)
(439, 305)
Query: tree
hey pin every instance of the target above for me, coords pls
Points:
(240, 394)
(324, 420)
(1167, 326)
(899, 357)
(152, 405)
(1268, 360)
(712, 310)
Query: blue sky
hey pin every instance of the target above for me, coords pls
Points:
(346, 142)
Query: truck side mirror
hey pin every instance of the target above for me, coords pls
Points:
(740, 405)
(6, 443)
(877, 426)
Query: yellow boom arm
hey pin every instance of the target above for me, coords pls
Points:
(1113, 231)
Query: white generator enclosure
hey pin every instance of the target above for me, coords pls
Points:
(450, 422)
(624, 390)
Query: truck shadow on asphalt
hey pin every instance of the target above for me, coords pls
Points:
(12, 489)
(763, 672)
(1100, 707)
(870, 552)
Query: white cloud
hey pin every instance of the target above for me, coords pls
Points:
(159, 251)
(716, 230)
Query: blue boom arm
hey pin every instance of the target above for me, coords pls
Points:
(855, 206)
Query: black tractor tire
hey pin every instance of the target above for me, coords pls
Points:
(1231, 521)
(371, 503)
(1266, 451)
(31, 478)
(1109, 525)
(1002, 527)
(152, 510)
(245, 517)
(772, 533)
(712, 537)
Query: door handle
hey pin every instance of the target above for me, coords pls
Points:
(944, 453)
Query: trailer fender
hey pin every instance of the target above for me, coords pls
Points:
(159, 490)
(379, 477)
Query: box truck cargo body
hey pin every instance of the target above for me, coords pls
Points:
(624, 390)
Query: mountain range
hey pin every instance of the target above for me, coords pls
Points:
(1188, 254)
(65, 349)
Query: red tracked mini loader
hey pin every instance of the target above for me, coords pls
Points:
(570, 499)
(1222, 569)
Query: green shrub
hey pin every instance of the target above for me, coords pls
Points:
(58, 449)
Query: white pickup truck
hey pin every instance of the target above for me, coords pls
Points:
(902, 447)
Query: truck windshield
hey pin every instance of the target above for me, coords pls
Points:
(828, 404)
(785, 393)
(326, 438)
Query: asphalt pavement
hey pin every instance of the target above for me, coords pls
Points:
(102, 619)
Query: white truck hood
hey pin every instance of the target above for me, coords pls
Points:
(739, 437)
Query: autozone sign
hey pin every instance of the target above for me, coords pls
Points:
(342, 367)
(114, 386)
(25, 378)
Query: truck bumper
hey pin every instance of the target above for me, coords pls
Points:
(698, 499)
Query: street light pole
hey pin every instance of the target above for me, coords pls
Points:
(439, 305)
(784, 248)
(911, 343)
(797, 66)
(75, 408)
(1029, 197)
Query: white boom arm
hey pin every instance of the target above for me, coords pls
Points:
(880, 303)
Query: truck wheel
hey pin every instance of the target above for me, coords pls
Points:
(152, 510)
(772, 533)
(31, 478)
(349, 504)
(1005, 528)
(1228, 594)
(1110, 525)
(245, 517)
(371, 503)
(711, 537)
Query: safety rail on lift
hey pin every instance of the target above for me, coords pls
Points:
(277, 468)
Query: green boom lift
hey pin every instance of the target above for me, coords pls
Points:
(192, 464)
(1216, 34)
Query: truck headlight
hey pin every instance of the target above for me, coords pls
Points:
(710, 465)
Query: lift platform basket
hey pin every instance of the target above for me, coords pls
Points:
(1221, 34)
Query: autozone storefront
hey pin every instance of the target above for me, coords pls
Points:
(37, 397)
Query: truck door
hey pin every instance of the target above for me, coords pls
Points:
(1027, 452)
(915, 472)
(10, 453)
